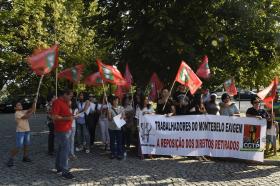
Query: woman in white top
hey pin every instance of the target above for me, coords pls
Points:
(146, 108)
(103, 123)
(74, 111)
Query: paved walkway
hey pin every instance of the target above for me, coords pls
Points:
(97, 169)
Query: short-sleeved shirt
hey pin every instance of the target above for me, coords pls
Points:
(61, 108)
(115, 111)
(261, 112)
(22, 124)
(228, 111)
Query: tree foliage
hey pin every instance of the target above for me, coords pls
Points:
(240, 37)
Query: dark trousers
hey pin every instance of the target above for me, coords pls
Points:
(116, 142)
(51, 137)
(63, 147)
(126, 137)
(91, 123)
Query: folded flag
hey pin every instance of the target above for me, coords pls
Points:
(230, 87)
(203, 71)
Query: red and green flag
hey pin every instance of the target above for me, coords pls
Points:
(188, 78)
(203, 71)
(44, 61)
(93, 79)
(73, 74)
(110, 74)
(155, 86)
(230, 87)
(268, 94)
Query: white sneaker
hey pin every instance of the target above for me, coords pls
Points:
(79, 149)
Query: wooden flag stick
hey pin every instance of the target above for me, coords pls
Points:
(38, 89)
(56, 82)
(106, 99)
(168, 95)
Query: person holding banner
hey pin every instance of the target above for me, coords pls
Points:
(228, 108)
(211, 106)
(182, 100)
(146, 108)
(256, 111)
(22, 132)
(115, 132)
(165, 104)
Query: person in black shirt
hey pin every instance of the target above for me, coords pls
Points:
(169, 108)
(257, 112)
(182, 100)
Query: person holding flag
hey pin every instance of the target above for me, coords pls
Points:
(22, 132)
(165, 105)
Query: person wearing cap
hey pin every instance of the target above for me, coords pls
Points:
(103, 122)
(211, 106)
(228, 108)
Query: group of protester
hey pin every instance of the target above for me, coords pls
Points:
(72, 121)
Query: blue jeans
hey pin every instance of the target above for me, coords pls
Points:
(22, 139)
(72, 141)
(82, 135)
(63, 147)
(116, 142)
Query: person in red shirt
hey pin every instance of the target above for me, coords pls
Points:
(62, 118)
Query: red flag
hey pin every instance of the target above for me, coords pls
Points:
(204, 71)
(73, 74)
(128, 77)
(119, 92)
(44, 61)
(155, 85)
(188, 78)
(230, 87)
(271, 91)
(110, 74)
(271, 88)
(93, 79)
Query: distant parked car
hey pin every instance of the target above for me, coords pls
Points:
(244, 95)
(9, 103)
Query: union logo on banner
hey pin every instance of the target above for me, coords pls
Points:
(251, 138)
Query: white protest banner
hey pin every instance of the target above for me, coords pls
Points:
(119, 121)
(199, 135)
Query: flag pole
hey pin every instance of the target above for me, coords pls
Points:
(105, 93)
(168, 95)
(56, 82)
(38, 89)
